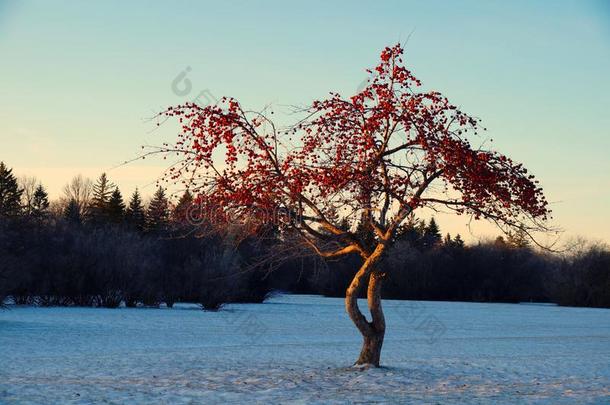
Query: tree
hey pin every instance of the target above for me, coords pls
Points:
(72, 213)
(116, 207)
(411, 231)
(135, 215)
(448, 241)
(99, 207)
(382, 154)
(78, 190)
(39, 207)
(453, 243)
(518, 239)
(157, 215)
(28, 184)
(499, 241)
(180, 211)
(432, 234)
(10, 193)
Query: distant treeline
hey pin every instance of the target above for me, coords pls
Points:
(93, 249)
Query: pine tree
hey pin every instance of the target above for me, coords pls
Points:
(180, 212)
(135, 215)
(433, 230)
(458, 241)
(411, 231)
(116, 207)
(432, 234)
(518, 239)
(72, 212)
(157, 215)
(448, 241)
(10, 194)
(99, 209)
(453, 243)
(40, 203)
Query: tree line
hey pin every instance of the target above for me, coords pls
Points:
(93, 248)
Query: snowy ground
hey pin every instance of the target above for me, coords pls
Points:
(297, 349)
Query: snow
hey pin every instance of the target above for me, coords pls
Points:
(298, 350)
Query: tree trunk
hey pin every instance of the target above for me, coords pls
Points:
(372, 332)
(373, 341)
(371, 351)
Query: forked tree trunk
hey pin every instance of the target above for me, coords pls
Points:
(372, 332)
(371, 349)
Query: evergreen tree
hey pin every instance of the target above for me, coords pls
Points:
(116, 207)
(458, 241)
(135, 215)
(10, 193)
(518, 239)
(448, 241)
(40, 203)
(453, 243)
(432, 234)
(72, 212)
(411, 231)
(180, 212)
(99, 209)
(157, 215)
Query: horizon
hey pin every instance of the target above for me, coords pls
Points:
(85, 79)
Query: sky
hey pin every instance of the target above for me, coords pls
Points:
(81, 80)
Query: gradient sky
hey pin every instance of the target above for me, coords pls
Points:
(80, 79)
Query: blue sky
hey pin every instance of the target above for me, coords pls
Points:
(80, 79)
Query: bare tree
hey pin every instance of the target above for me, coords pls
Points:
(28, 184)
(78, 189)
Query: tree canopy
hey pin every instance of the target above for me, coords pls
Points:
(386, 151)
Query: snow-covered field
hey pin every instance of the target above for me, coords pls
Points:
(297, 350)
